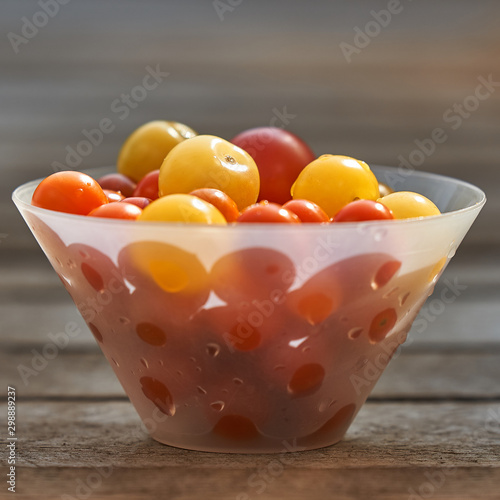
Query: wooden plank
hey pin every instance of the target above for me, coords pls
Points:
(384, 434)
(423, 373)
(269, 480)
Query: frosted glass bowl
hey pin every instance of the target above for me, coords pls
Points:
(253, 337)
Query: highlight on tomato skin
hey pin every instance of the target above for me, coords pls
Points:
(267, 212)
(113, 196)
(307, 211)
(363, 210)
(120, 210)
(69, 192)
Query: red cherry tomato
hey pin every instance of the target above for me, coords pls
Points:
(148, 186)
(361, 210)
(117, 182)
(69, 192)
(267, 212)
(140, 201)
(220, 200)
(120, 210)
(307, 211)
(113, 196)
(280, 156)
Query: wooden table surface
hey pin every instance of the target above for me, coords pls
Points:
(431, 428)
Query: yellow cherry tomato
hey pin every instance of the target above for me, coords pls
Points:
(406, 205)
(206, 161)
(146, 148)
(384, 189)
(182, 208)
(333, 181)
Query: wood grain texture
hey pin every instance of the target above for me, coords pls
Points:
(390, 448)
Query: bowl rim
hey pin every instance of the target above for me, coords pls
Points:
(16, 198)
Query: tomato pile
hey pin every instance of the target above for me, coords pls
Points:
(166, 172)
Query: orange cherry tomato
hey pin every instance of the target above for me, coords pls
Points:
(307, 211)
(267, 212)
(220, 200)
(69, 192)
(120, 210)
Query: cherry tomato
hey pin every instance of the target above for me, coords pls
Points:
(113, 196)
(148, 186)
(182, 208)
(69, 192)
(146, 148)
(334, 181)
(280, 157)
(219, 200)
(384, 189)
(306, 379)
(382, 324)
(243, 326)
(120, 210)
(406, 205)
(171, 283)
(307, 211)
(209, 161)
(139, 201)
(361, 210)
(236, 428)
(117, 182)
(267, 212)
(253, 274)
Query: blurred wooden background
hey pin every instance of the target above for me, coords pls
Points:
(233, 65)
